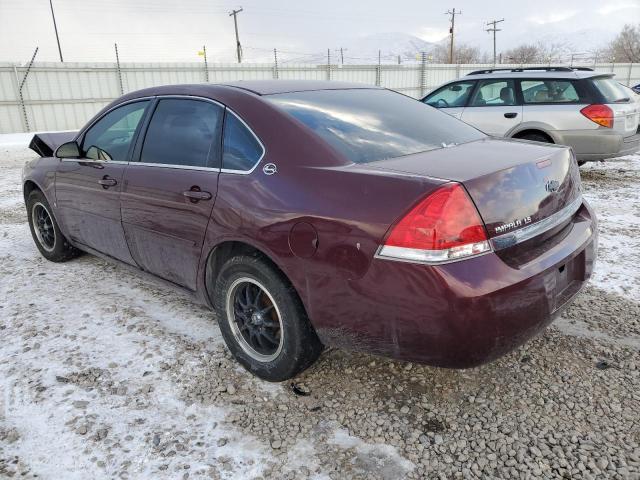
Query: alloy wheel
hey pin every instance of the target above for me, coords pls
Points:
(43, 226)
(254, 319)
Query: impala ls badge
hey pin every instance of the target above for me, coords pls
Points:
(270, 169)
(552, 186)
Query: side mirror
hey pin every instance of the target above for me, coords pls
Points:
(95, 153)
(68, 150)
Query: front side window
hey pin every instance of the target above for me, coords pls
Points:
(494, 93)
(454, 95)
(366, 125)
(241, 149)
(184, 132)
(549, 91)
(110, 137)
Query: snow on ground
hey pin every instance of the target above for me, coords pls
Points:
(106, 373)
(613, 188)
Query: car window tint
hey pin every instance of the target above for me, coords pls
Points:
(366, 125)
(549, 91)
(110, 137)
(611, 90)
(454, 95)
(183, 132)
(494, 92)
(241, 149)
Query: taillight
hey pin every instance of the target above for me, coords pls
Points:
(444, 226)
(600, 114)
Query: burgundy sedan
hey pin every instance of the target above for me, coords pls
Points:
(312, 214)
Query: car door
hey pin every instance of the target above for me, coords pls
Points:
(494, 107)
(169, 191)
(88, 188)
(451, 98)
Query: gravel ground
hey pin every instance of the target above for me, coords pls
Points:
(109, 374)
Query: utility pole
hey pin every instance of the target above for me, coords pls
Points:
(341, 56)
(234, 14)
(494, 30)
(55, 27)
(451, 30)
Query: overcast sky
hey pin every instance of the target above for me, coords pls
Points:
(170, 30)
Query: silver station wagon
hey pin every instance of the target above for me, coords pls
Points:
(586, 110)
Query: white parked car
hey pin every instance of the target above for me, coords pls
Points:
(586, 110)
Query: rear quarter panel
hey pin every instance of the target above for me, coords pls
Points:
(554, 118)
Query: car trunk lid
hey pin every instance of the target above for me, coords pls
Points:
(521, 189)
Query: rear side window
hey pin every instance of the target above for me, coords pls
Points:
(611, 90)
(241, 149)
(454, 95)
(366, 125)
(184, 132)
(549, 91)
(494, 93)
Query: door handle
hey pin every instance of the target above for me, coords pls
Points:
(196, 195)
(107, 181)
(510, 115)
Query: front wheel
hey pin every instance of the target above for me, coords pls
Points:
(45, 230)
(262, 319)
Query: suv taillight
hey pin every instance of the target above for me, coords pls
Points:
(444, 226)
(600, 114)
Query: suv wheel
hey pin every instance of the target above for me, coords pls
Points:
(536, 137)
(262, 319)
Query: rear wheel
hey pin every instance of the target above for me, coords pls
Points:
(262, 320)
(45, 230)
(536, 137)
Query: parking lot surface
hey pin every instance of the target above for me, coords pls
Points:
(105, 373)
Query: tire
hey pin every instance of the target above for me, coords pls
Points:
(536, 137)
(45, 230)
(269, 332)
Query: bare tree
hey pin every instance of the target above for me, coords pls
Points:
(522, 54)
(463, 53)
(555, 52)
(541, 52)
(626, 46)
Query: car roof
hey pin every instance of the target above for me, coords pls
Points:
(248, 87)
(271, 87)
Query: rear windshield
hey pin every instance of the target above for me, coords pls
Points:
(611, 90)
(367, 125)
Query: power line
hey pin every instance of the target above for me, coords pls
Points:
(234, 14)
(451, 30)
(494, 30)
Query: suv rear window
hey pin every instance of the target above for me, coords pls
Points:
(549, 91)
(611, 90)
(366, 125)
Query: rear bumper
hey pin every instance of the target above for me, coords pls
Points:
(461, 314)
(599, 144)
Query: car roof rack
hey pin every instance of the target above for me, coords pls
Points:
(527, 69)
